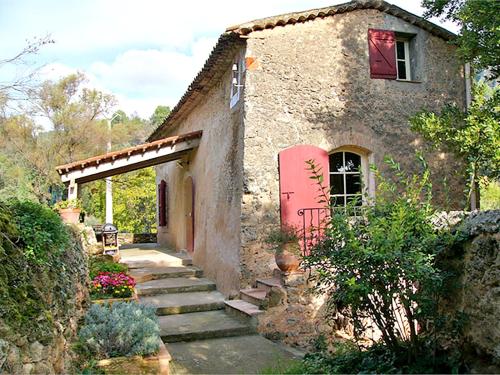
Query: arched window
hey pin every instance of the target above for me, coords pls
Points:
(346, 182)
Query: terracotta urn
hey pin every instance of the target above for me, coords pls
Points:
(287, 261)
(70, 215)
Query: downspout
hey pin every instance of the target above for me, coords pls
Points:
(474, 199)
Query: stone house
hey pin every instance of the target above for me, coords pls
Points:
(336, 85)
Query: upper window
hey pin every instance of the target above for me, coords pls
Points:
(403, 59)
(236, 76)
(345, 178)
(390, 54)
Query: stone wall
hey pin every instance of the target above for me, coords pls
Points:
(48, 350)
(476, 290)
(310, 84)
(216, 169)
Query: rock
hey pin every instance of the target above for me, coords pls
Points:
(28, 368)
(36, 352)
(4, 352)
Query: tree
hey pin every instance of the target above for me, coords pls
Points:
(479, 36)
(159, 115)
(472, 135)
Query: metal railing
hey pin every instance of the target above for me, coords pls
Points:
(315, 221)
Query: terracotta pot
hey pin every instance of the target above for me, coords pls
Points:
(70, 215)
(287, 262)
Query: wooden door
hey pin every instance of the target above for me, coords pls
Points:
(299, 194)
(189, 212)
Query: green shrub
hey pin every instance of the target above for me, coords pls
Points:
(40, 229)
(99, 265)
(381, 267)
(120, 329)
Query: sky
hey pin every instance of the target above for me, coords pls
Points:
(144, 52)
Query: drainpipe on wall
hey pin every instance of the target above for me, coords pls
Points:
(474, 199)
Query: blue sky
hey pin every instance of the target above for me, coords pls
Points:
(144, 52)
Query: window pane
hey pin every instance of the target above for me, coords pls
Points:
(353, 183)
(401, 70)
(338, 201)
(352, 162)
(400, 50)
(337, 183)
(336, 162)
(356, 198)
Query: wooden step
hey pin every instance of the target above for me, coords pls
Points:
(200, 325)
(174, 285)
(255, 296)
(179, 303)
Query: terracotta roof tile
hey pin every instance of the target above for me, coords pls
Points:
(170, 141)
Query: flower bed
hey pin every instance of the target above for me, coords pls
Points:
(112, 287)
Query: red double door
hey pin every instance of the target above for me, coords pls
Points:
(298, 191)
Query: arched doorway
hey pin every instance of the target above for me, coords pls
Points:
(189, 213)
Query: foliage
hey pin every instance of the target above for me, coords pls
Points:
(97, 266)
(159, 115)
(134, 201)
(473, 136)
(37, 285)
(479, 34)
(380, 268)
(119, 329)
(69, 203)
(112, 285)
(41, 231)
(490, 196)
(283, 236)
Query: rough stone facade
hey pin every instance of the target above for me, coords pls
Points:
(305, 83)
(216, 170)
(52, 354)
(311, 85)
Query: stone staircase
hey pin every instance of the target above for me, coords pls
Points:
(188, 306)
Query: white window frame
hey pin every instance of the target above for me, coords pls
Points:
(236, 76)
(367, 175)
(406, 60)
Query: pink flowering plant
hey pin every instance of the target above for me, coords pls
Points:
(112, 285)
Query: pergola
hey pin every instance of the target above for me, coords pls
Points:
(126, 160)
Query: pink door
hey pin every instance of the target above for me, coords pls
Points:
(189, 212)
(298, 191)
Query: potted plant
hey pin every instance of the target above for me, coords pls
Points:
(69, 210)
(285, 244)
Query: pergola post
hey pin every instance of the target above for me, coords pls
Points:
(72, 190)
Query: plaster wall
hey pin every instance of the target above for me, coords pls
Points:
(216, 169)
(310, 84)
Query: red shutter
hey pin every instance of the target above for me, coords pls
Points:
(162, 187)
(382, 44)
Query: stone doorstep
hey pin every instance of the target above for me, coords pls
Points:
(154, 273)
(255, 296)
(244, 311)
(201, 325)
(163, 357)
(268, 284)
(174, 285)
(180, 303)
(145, 263)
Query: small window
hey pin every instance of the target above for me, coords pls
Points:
(403, 59)
(236, 76)
(345, 178)
(162, 204)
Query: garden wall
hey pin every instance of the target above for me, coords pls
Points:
(477, 289)
(37, 329)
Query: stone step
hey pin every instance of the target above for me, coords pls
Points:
(200, 325)
(243, 310)
(174, 285)
(255, 296)
(155, 273)
(136, 258)
(179, 303)
(267, 284)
